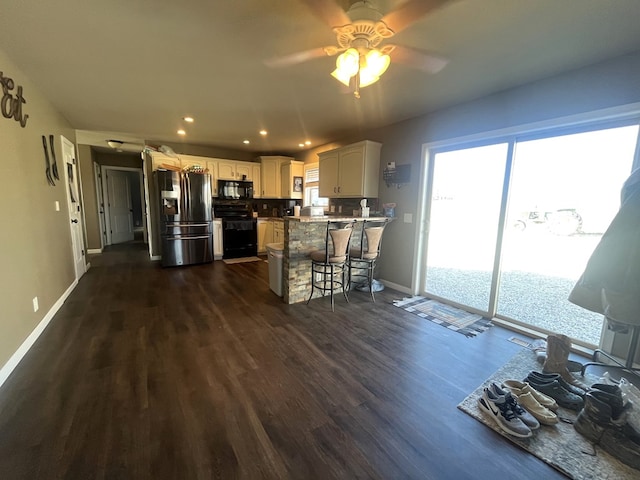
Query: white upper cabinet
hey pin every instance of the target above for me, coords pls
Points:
(350, 171)
(235, 170)
(291, 176)
(160, 160)
(270, 176)
(256, 177)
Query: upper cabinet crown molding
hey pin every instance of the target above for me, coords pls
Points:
(350, 171)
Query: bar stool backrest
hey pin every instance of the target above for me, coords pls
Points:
(370, 240)
(340, 234)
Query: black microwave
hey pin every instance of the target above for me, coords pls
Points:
(235, 190)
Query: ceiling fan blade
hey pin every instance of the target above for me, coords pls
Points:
(419, 59)
(409, 12)
(295, 58)
(328, 11)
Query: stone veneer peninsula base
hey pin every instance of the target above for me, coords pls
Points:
(302, 235)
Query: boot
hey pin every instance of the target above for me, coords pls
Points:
(558, 349)
(603, 421)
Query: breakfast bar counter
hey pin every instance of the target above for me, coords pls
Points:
(303, 235)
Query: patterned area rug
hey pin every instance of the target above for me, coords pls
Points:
(560, 445)
(231, 261)
(468, 324)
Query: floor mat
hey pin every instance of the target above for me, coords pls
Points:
(231, 261)
(559, 445)
(456, 319)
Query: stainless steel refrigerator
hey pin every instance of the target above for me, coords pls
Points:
(186, 228)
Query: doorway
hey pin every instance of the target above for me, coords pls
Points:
(74, 204)
(124, 205)
(512, 223)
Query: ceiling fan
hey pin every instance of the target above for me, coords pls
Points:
(361, 33)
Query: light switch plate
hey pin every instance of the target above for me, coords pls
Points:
(408, 218)
(57, 206)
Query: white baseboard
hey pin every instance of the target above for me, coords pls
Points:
(395, 286)
(92, 251)
(13, 362)
(156, 257)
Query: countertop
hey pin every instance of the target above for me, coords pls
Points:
(326, 218)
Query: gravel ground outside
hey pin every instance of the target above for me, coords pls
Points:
(539, 269)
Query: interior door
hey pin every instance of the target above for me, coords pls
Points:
(120, 208)
(72, 183)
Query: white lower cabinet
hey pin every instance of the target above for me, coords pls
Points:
(217, 240)
(278, 231)
(270, 230)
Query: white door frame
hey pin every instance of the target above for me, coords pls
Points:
(100, 202)
(103, 172)
(68, 150)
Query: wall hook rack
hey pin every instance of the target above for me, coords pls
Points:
(397, 175)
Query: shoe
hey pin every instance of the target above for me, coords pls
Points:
(498, 408)
(527, 418)
(554, 390)
(623, 383)
(545, 377)
(521, 388)
(542, 414)
(558, 350)
(603, 421)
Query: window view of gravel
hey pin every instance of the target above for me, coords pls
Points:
(564, 192)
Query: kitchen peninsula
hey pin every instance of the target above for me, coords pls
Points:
(302, 235)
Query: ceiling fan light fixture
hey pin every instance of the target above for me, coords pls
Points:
(347, 65)
(374, 64)
(377, 62)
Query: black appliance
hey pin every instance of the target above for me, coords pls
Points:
(239, 229)
(235, 190)
(186, 229)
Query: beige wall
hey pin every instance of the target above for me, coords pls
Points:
(35, 241)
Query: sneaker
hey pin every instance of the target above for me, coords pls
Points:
(563, 397)
(528, 419)
(520, 388)
(549, 377)
(498, 408)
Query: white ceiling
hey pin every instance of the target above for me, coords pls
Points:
(136, 67)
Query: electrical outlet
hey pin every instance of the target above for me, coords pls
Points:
(35, 304)
(408, 218)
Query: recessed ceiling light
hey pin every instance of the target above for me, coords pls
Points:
(263, 132)
(301, 144)
(246, 142)
(181, 132)
(307, 142)
(188, 119)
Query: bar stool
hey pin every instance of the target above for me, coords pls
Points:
(363, 259)
(329, 266)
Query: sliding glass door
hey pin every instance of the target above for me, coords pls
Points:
(513, 224)
(463, 226)
(564, 192)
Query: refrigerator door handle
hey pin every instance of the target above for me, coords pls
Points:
(201, 237)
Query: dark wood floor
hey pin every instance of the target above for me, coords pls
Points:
(202, 372)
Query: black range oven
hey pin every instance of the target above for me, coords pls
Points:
(239, 229)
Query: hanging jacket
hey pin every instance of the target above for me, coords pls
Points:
(610, 283)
